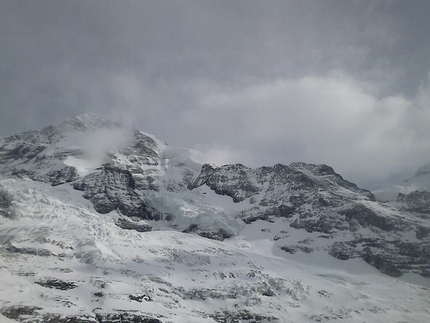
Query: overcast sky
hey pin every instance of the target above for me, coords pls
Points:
(340, 82)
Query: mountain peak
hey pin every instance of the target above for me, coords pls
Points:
(424, 170)
(89, 121)
(125, 226)
(420, 180)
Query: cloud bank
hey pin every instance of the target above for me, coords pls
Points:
(334, 120)
(258, 82)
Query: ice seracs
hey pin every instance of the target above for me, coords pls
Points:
(132, 230)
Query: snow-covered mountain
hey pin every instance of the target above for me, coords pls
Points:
(421, 179)
(412, 195)
(102, 223)
(419, 182)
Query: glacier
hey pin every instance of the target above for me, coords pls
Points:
(103, 223)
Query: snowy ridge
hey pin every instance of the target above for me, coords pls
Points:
(102, 223)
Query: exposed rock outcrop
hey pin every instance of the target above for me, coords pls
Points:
(316, 199)
(112, 188)
(128, 177)
(416, 201)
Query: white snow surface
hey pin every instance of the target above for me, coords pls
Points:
(54, 233)
(184, 277)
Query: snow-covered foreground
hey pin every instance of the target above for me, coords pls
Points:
(60, 256)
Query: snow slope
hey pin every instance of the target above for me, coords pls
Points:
(100, 223)
(178, 277)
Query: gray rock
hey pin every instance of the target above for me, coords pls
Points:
(316, 199)
(219, 234)
(125, 318)
(112, 188)
(140, 298)
(29, 314)
(366, 217)
(294, 248)
(14, 312)
(235, 181)
(29, 251)
(133, 224)
(65, 175)
(313, 198)
(417, 201)
(6, 208)
(215, 234)
(241, 316)
(57, 284)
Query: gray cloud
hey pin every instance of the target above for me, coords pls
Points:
(333, 119)
(339, 82)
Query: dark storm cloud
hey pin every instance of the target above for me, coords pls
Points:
(187, 71)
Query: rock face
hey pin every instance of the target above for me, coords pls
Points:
(417, 202)
(139, 186)
(215, 234)
(65, 175)
(313, 198)
(31, 314)
(111, 188)
(307, 193)
(224, 317)
(125, 318)
(5, 203)
(316, 199)
(281, 186)
(57, 284)
(113, 176)
(236, 181)
(133, 224)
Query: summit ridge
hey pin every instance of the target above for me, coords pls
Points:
(104, 223)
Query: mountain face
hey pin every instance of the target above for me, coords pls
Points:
(101, 223)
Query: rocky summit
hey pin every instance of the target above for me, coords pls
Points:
(104, 223)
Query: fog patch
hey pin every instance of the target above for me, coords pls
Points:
(98, 145)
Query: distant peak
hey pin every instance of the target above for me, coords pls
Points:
(89, 121)
(424, 170)
(92, 117)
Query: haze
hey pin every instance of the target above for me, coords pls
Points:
(345, 83)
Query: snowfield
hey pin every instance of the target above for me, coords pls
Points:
(56, 236)
(102, 224)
